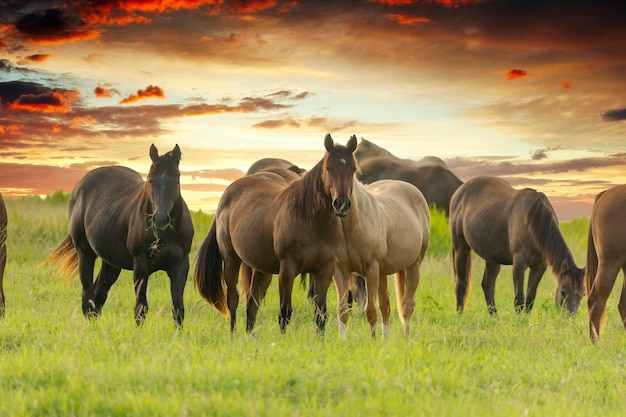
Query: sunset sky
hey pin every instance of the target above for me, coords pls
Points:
(530, 90)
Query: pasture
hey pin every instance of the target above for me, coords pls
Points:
(53, 362)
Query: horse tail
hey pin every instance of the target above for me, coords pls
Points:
(400, 291)
(67, 254)
(591, 263)
(246, 280)
(208, 278)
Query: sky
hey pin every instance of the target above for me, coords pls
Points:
(533, 91)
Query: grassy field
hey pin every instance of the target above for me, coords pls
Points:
(53, 362)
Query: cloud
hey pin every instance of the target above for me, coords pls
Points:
(566, 85)
(539, 154)
(614, 115)
(105, 91)
(149, 92)
(35, 58)
(515, 73)
(405, 19)
(34, 97)
(53, 26)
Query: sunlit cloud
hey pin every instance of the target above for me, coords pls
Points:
(105, 91)
(35, 58)
(515, 73)
(405, 19)
(151, 91)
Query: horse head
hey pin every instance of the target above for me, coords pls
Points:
(164, 179)
(338, 173)
(571, 288)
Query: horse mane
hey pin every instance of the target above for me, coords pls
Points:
(306, 196)
(544, 228)
(141, 212)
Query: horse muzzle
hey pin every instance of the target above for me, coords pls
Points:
(341, 206)
(161, 222)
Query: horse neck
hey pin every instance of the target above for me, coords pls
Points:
(306, 198)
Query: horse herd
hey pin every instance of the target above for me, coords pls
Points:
(359, 210)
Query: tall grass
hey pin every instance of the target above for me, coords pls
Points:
(53, 362)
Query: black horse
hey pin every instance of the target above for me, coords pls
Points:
(132, 224)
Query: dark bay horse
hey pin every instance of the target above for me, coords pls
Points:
(132, 224)
(3, 250)
(265, 163)
(606, 256)
(278, 228)
(367, 149)
(505, 226)
(387, 231)
(436, 183)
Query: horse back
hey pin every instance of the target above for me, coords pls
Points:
(608, 224)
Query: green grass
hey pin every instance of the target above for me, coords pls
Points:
(53, 362)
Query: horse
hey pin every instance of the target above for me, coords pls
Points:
(3, 251)
(386, 232)
(606, 255)
(505, 226)
(277, 228)
(131, 224)
(265, 163)
(367, 149)
(436, 183)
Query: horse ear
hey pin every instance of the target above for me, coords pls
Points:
(154, 153)
(328, 142)
(564, 267)
(176, 152)
(352, 142)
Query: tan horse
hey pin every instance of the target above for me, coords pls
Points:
(3, 250)
(274, 227)
(386, 232)
(606, 256)
(505, 226)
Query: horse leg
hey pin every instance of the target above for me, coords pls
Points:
(106, 278)
(534, 278)
(322, 279)
(489, 285)
(3, 261)
(384, 304)
(343, 308)
(86, 262)
(260, 282)
(371, 286)
(140, 278)
(598, 294)
(286, 276)
(178, 280)
(519, 268)
(406, 305)
(621, 306)
(462, 259)
(231, 276)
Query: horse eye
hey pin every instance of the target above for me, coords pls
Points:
(563, 294)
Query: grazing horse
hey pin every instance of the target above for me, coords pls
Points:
(277, 227)
(505, 226)
(606, 256)
(132, 224)
(265, 163)
(3, 250)
(387, 231)
(435, 182)
(366, 149)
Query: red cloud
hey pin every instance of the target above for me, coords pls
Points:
(50, 102)
(448, 3)
(566, 84)
(251, 6)
(34, 58)
(405, 19)
(105, 91)
(150, 91)
(515, 73)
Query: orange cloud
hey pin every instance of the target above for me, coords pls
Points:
(34, 58)
(105, 91)
(405, 19)
(515, 73)
(251, 6)
(49, 102)
(566, 85)
(448, 3)
(150, 91)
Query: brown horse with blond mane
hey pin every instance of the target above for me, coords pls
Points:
(505, 226)
(606, 256)
(277, 228)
